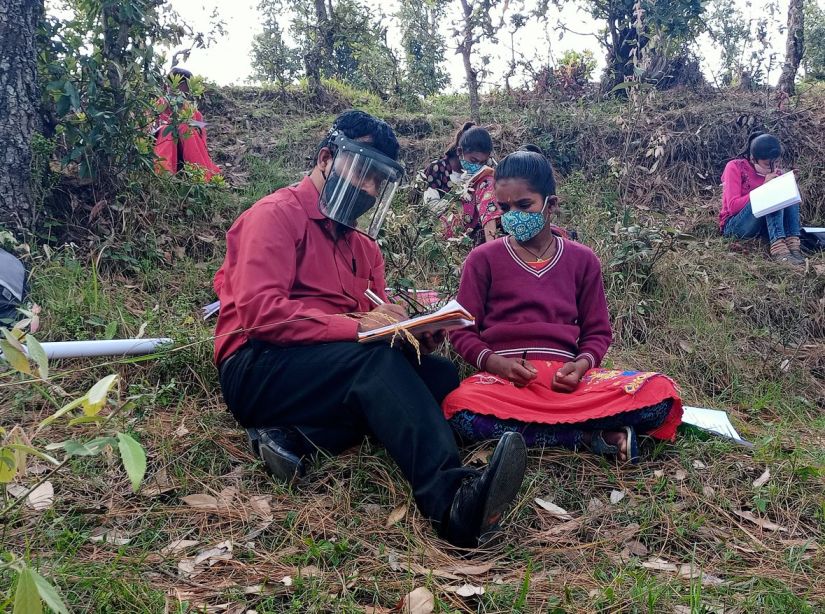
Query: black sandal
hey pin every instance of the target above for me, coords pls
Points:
(599, 446)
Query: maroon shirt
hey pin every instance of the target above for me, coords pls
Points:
(287, 281)
(558, 312)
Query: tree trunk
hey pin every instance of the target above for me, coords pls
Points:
(794, 47)
(19, 102)
(466, 51)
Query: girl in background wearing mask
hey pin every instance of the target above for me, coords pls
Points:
(755, 166)
(461, 186)
(541, 331)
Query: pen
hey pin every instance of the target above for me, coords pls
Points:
(524, 359)
(374, 298)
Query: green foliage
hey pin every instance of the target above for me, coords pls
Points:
(104, 77)
(273, 61)
(423, 44)
(813, 60)
(16, 447)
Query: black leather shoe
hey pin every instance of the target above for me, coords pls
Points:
(282, 451)
(481, 501)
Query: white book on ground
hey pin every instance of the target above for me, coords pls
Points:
(712, 420)
(775, 195)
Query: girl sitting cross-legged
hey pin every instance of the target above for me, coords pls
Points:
(541, 331)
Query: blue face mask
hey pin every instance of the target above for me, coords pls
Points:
(524, 225)
(471, 167)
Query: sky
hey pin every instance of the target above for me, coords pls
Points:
(227, 61)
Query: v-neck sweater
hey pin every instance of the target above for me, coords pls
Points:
(558, 312)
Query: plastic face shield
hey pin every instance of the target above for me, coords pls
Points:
(359, 189)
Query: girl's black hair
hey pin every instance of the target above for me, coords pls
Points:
(531, 167)
(476, 140)
(761, 146)
(531, 147)
(451, 152)
(184, 74)
(357, 124)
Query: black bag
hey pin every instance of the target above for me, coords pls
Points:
(12, 287)
(812, 241)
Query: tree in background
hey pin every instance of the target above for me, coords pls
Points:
(423, 45)
(670, 27)
(731, 31)
(19, 103)
(794, 47)
(272, 59)
(477, 23)
(813, 60)
(347, 41)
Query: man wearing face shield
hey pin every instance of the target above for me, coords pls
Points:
(292, 290)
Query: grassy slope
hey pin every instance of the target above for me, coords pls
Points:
(713, 319)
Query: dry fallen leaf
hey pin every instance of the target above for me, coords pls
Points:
(181, 431)
(616, 496)
(658, 564)
(553, 509)
(287, 581)
(110, 536)
(396, 515)
(762, 522)
(469, 570)
(16, 490)
(658, 473)
(688, 348)
(419, 601)
(594, 505)
(636, 548)
(708, 491)
(565, 527)
(261, 507)
(480, 456)
(762, 479)
(394, 561)
(697, 464)
(178, 545)
(218, 552)
(158, 484)
(201, 501)
(466, 590)
(42, 497)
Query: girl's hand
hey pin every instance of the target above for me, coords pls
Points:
(771, 175)
(567, 378)
(519, 372)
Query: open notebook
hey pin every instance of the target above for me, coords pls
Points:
(775, 195)
(450, 317)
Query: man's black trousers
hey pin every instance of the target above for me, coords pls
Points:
(336, 393)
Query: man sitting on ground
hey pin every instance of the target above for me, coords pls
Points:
(292, 290)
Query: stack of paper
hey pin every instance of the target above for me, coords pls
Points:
(775, 195)
(449, 317)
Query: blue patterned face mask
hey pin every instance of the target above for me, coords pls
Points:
(471, 167)
(524, 225)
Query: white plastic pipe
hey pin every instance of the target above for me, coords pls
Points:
(109, 347)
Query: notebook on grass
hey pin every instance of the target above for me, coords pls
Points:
(450, 317)
(775, 195)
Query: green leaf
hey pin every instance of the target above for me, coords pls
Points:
(15, 358)
(111, 330)
(60, 412)
(8, 465)
(90, 448)
(34, 452)
(134, 459)
(38, 354)
(49, 594)
(26, 597)
(85, 420)
(95, 399)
